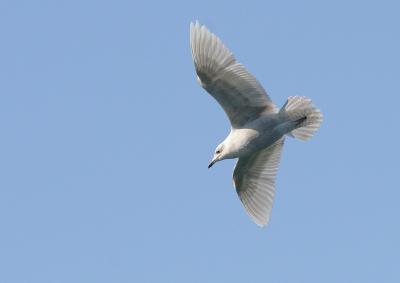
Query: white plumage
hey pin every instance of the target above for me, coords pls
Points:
(258, 128)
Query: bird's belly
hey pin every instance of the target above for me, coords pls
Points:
(264, 141)
(258, 140)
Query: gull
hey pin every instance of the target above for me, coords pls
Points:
(258, 127)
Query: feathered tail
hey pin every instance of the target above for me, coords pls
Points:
(302, 115)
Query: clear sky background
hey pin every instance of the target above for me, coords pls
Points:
(105, 137)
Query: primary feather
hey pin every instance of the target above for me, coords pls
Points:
(236, 90)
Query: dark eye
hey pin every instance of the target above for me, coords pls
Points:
(218, 152)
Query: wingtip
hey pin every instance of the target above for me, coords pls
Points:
(260, 224)
(194, 23)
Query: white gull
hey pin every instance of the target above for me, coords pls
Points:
(258, 127)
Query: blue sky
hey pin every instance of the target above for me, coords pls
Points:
(106, 137)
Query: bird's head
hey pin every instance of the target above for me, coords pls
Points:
(219, 155)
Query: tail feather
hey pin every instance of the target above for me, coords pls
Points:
(300, 109)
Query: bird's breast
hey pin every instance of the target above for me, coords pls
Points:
(242, 142)
(248, 140)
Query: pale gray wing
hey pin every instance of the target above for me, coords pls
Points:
(228, 81)
(254, 179)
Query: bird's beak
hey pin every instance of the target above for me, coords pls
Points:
(212, 163)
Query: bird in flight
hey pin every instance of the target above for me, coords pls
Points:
(258, 127)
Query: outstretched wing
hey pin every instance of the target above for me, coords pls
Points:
(254, 179)
(228, 81)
